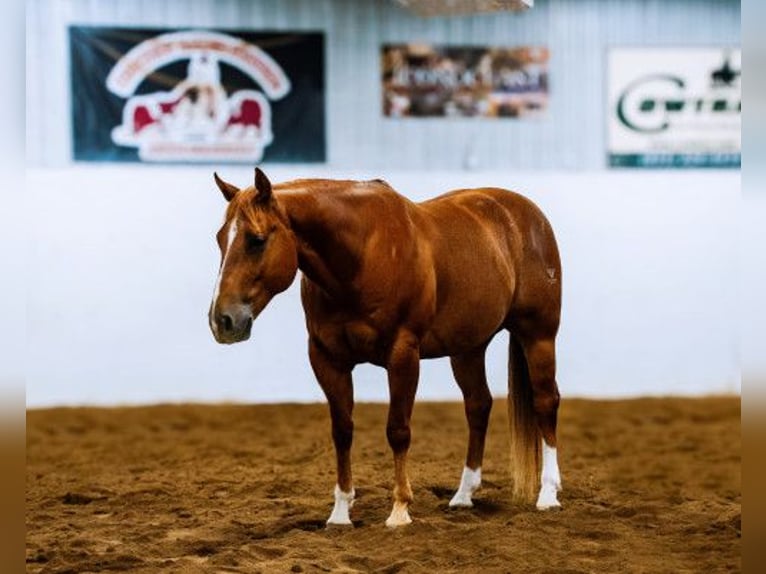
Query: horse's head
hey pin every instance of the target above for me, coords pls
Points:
(259, 258)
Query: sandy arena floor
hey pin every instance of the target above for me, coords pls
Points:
(649, 486)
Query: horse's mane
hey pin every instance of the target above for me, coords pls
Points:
(328, 185)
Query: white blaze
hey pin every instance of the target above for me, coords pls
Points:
(229, 240)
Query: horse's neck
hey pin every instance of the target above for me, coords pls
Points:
(329, 238)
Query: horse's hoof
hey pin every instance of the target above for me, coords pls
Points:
(548, 503)
(400, 516)
(339, 519)
(461, 500)
(343, 502)
(339, 525)
(548, 499)
(470, 481)
(393, 523)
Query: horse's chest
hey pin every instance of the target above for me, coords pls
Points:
(363, 339)
(354, 340)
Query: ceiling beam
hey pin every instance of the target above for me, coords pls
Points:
(463, 7)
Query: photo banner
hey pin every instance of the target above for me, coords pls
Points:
(211, 96)
(674, 107)
(422, 80)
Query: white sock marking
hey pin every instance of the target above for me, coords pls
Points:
(343, 502)
(470, 481)
(550, 480)
(399, 515)
(229, 240)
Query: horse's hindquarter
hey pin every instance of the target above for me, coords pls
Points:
(494, 255)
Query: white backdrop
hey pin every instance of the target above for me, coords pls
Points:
(122, 264)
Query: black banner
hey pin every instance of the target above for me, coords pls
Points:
(159, 95)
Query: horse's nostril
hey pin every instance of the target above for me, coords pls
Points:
(227, 323)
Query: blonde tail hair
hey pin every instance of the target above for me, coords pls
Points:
(522, 422)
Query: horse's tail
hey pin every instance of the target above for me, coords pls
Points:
(525, 434)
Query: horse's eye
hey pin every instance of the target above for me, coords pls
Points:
(254, 242)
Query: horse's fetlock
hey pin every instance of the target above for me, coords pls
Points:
(403, 495)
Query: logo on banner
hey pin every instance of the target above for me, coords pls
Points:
(196, 120)
(653, 103)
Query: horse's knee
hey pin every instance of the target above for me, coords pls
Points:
(342, 424)
(477, 410)
(398, 437)
(343, 434)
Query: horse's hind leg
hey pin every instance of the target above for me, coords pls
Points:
(540, 354)
(470, 374)
(337, 386)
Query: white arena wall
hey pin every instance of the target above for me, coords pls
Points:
(122, 262)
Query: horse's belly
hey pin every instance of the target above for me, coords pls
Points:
(456, 340)
(467, 317)
(432, 347)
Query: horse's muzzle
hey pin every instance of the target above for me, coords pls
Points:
(231, 325)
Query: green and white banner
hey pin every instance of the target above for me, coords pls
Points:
(674, 107)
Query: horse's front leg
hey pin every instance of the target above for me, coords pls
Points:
(403, 371)
(336, 383)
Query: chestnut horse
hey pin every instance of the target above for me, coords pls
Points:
(389, 282)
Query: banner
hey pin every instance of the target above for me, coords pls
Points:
(674, 107)
(449, 81)
(157, 95)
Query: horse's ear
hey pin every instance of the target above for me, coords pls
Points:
(228, 190)
(262, 187)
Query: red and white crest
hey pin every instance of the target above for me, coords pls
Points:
(197, 120)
